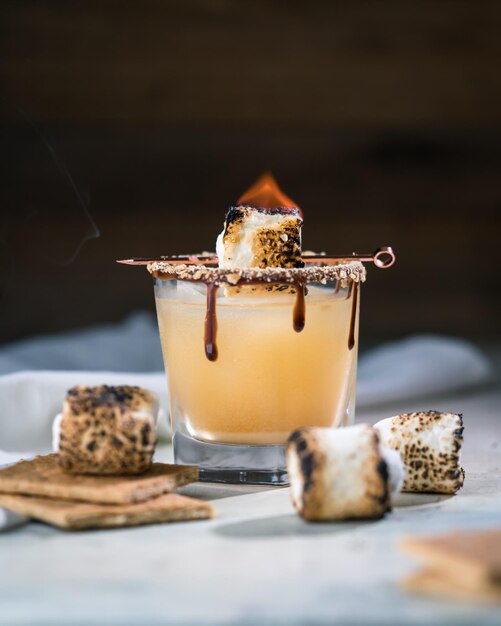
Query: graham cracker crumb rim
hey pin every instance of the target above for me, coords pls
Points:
(351, 271)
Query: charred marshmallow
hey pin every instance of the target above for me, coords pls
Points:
(338, 474)
(429, 443)
(106, 430)
(256, 237)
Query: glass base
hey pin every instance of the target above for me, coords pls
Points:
(232, 463)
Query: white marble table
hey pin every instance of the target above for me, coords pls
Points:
(257, 563)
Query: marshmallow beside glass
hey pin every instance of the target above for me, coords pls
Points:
(430, 447)
(106, 430)
(352, 472)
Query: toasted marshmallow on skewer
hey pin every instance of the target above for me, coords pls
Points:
(430, 445)
(107, 430)
(257, 237)
(262, 230)
(338, 474)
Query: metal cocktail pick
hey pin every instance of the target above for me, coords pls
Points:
(383, 258)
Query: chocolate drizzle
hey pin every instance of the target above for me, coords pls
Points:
(350, 291)
(211, 323)
(299, 311)
(351, 336)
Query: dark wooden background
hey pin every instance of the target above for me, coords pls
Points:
(381, 119)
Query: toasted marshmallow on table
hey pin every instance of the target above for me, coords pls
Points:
(338, 474)
(262, 230)
(429, 443)
(106, 430)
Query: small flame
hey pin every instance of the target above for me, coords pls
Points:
(266, 194)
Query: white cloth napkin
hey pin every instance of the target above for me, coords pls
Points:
(29, 401)
(420, 366)
(132, 345)
(10, 519)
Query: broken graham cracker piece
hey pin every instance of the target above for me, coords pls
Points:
(170, 507)
(433, 583)
(43, 476)
(470, 560)
(108, 430)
